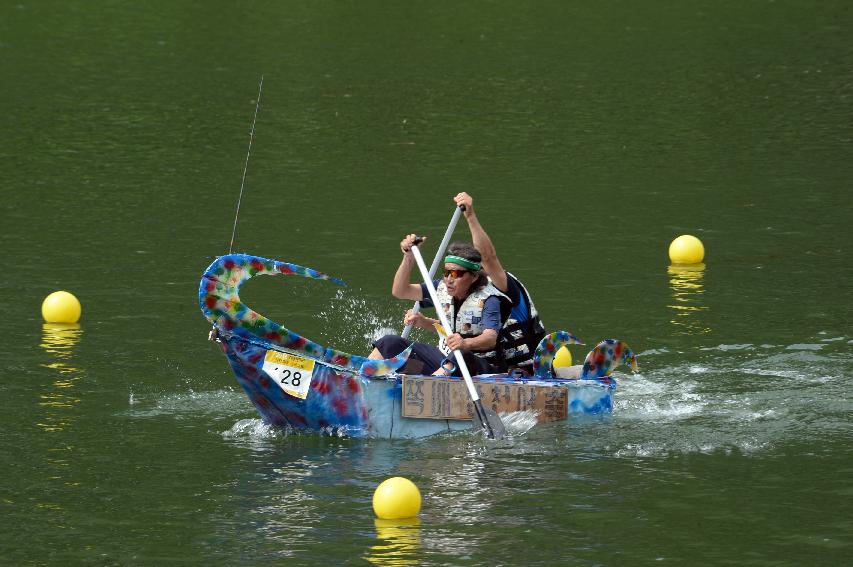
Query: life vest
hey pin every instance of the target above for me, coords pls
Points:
(468, 320)
(521, 332)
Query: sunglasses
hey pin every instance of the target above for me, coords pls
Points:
(455, 273)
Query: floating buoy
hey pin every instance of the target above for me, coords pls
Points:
(61, 307)
(686, 249)
(396, 498)
(562, 359)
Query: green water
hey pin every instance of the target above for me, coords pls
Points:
(590, 134)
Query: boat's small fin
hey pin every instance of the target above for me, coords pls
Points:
(605, 357)
(547, 349)
(386, 366)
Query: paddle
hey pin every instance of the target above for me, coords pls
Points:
(437, 260)
(489, 420)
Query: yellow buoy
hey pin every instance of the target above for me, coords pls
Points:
(562, 359)
(61, 307)
(686, 249)
(396, 498)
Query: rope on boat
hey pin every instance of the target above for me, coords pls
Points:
(246, 167)
(213, 335)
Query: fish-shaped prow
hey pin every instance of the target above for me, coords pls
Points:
(604, 358)
(543, 357)
(219, 298)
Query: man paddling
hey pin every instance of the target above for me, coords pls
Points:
(495, 323)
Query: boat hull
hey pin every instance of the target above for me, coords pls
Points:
(343, 402)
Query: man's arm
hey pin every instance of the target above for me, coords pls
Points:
(491, 264)
(402, 288)
(484, 341)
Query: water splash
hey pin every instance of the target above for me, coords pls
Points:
(519, 422)
(253, 430)
(190, 404)
(731, 397)
(362, 321)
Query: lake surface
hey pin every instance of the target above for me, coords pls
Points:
(589, 134)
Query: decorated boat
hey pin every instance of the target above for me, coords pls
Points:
(295, 382)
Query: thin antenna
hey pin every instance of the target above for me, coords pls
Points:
(246, 167)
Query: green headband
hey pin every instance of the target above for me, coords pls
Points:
(473, 266)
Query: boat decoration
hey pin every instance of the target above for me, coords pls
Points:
(295, 382)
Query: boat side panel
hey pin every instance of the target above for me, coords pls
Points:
(335, 399)
(590, 399)
(383, 398)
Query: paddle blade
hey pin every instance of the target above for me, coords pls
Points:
(489, 421)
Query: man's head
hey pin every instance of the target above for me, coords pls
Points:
(462, 269)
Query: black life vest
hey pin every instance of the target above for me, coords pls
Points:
(517, 340)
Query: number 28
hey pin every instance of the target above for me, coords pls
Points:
(294, 377)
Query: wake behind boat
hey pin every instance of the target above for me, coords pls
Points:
(295, 382)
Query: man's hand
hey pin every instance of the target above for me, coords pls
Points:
(417, 320)
(464, 200)
(455, 342)
(407, 243)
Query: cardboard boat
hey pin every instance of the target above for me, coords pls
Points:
(298, 383)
